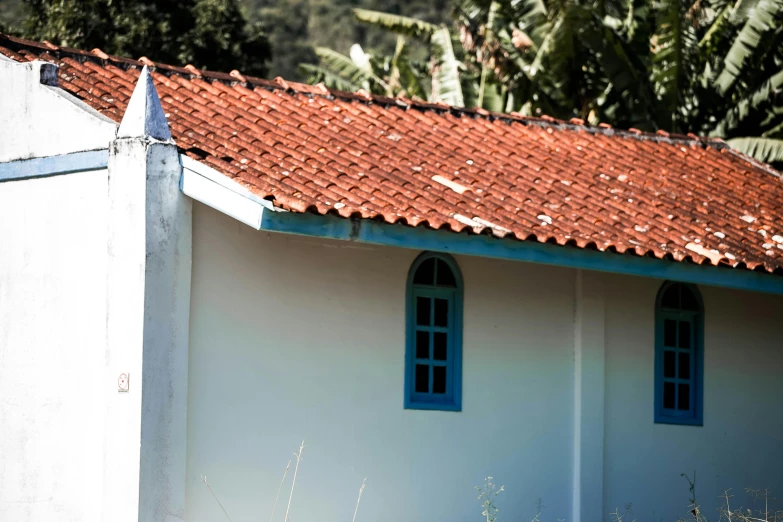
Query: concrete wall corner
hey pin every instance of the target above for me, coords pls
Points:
(148, 302)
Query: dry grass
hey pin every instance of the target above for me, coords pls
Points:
(298, 456)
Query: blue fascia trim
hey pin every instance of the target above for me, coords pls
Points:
(421, 238)
(54, 165)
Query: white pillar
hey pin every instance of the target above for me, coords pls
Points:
(148, 307)
(589, 363)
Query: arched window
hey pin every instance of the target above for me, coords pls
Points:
(679, 353)
(433, 359)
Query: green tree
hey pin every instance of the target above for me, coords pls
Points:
(287, 24)
(711, 67)
(438, 78)
(296, 27)
(293, 28)
(211, 34)
(11, 15)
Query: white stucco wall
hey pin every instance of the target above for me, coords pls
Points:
(741, 442)
(301, 338)
(52, 338)
(148, 300)
(297, 338)
(39, 120)
(94, 284)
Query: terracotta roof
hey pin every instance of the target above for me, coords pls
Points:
(309, 149)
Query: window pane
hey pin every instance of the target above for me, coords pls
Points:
(684, 397)
(438, 379)
(423, 311)
(670, 333)
(685, 366)
(425, 274)
(671, 297)
(441, 312)
(668, 395)
(669, 362)
(422, 345)
(688, 299)
(445, 275)
(440, 342)
(685, 334)
(422, 378)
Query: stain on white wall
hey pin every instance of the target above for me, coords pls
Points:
(297, 338)
(52, 338)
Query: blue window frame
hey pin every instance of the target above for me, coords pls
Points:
(433, 352)
(679, 354)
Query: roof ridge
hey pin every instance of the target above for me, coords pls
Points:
(236, 77)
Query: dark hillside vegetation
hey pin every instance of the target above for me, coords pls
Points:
(269, 37)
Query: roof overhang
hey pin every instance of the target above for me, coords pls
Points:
(206, 185)
(214, 189)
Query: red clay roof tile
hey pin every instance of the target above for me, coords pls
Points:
(310, 149)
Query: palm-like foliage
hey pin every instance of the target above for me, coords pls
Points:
(711, 67)
(438, 80)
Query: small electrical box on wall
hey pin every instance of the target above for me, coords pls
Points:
(123, 383)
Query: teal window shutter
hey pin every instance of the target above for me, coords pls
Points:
(433, 353)
(679, 355)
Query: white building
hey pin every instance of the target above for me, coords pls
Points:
(427, 296)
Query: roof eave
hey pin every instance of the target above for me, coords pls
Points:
(212, 188)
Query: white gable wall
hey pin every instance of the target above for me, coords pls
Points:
(94, 285)
(52, 347)
(53, 260)
(41, 120)
(302, 338)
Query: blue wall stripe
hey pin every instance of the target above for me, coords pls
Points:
(421, 238)
(54, 165)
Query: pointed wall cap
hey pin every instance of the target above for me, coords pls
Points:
(144, 116)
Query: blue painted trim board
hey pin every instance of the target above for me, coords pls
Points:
(54, 165)
(420, 238)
